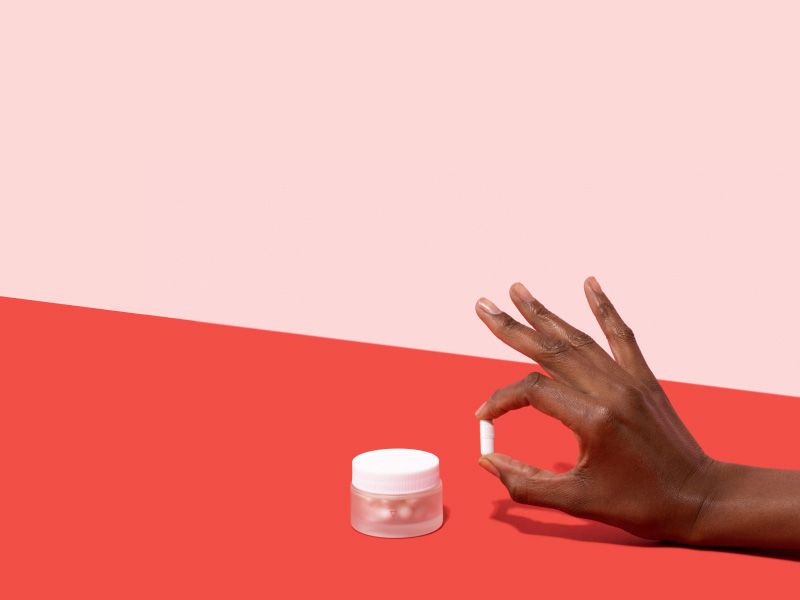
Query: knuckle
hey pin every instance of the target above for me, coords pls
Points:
(551, 347)
(579, 339)
(622, 333)
(507, 323)
(629, 402)
(604, 420)
(532, 379)
(540, 311)
(632, 395)
(529, 385)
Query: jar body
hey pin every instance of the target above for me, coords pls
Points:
(396, 515)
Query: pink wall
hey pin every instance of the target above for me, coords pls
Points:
(365, 170)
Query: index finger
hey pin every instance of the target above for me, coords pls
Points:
(542, 393)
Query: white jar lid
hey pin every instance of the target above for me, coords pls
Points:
(395, 471)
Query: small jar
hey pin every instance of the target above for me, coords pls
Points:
(396, 493)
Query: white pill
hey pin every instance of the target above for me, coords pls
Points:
(487, 437)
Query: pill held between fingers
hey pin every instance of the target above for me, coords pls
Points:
(487, 437)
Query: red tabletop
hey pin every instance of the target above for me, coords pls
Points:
(145, 457)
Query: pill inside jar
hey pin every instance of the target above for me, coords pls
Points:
(395, 493)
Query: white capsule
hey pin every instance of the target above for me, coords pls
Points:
(487, 437)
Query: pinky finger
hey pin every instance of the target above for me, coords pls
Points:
(620, 337)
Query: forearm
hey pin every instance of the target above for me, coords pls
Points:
(749, 507)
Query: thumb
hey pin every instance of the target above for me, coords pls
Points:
(527, 484)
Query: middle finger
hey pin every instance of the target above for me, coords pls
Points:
(555, 355)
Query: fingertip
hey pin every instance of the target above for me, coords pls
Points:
(486, 306)
(480, 409)
(520, 291)
(594, 294)
(594, 285)
(487, 465)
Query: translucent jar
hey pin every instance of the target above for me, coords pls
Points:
(396, 493)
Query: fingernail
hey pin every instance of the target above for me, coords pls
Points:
(487, 464)
(480, 408)
(595, 286)
(522, 292)
(488, 306)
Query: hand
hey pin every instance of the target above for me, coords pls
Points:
(638, 467)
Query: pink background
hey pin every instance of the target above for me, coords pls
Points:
(365, 170)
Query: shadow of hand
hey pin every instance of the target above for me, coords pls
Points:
(592, 531)
(588, 531)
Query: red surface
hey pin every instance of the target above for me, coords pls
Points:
(145, 457)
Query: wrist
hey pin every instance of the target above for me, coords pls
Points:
(734, 498)
(701, 491)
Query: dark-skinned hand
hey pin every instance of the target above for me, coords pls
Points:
(638, 466)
